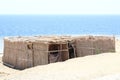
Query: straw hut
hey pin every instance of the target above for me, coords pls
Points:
(25, 52)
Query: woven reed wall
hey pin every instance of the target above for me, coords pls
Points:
(23, 54)
(89, 45)
(40, 53)
(17, 54)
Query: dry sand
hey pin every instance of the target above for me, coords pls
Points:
(117, 45)
(95, 67)
(109, 77)
(4, 70)
(84, 68)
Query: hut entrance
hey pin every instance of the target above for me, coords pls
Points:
(71, 50)
(58, 52)
(54, 54)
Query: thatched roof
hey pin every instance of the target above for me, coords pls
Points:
(41, 39)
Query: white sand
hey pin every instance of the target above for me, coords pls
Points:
(85, 68)
(109, 77)
(4, 70)
(1, 45)
(117, 45)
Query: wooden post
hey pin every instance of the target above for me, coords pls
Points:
(60, 52)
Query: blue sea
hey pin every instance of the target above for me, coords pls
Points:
(27, 25)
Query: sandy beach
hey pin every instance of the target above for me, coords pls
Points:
(105, 66)
(4, 70)
(1, 45)
(84, 68)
